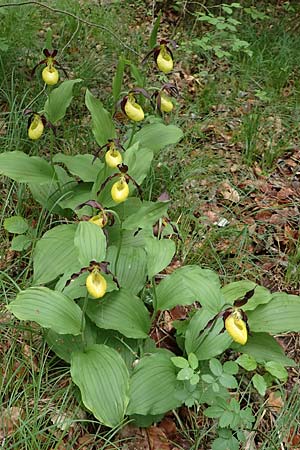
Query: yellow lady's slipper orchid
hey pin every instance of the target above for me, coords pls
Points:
(113, 158)
(133, 110)
(36, 127)
(166, 104)
(50, 75)
(96, 284)
(236, 327)
(120, 190)
(164, 60)
(100, 220)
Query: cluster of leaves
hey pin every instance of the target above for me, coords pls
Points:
(221, 38)
(116, 365)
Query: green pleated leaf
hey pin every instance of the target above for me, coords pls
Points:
(153, 35)
(118, 79)
(238, 289)
(160, 253)
(156, 136)
(49, 195)
(50, 309)
(138, 161)
(81, 166)
(130, 267)
(90, 241)
(146, 216)
(102, 124)
(153, 386)
(264, 348)
(77, 195)
(55, 253)
(280, 315)
(59, 100)
(103, 380)
(206, 341)
(188, 285)
(65, 344)
(121, 311)
(26, 169)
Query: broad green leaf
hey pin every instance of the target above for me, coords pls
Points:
(64, 345)
(263, 348)
(15, 224)
(188, 285)
(138, 161)
(156, 136)
(230, 367)
(215, 367)
(228, 381)
(20, 242)
(126, 347)
(118, 79)
(50, 195)
(277, 370)
(226, 444)
(81, 166)
(59, 100)
(50, 309)
(259, 383)
(146, 216)
(103, 380)
(129, 237)
(139, 78)
(26, 169)
(102, 124)
(214, 411)
(160, 253)
(76, 195)
(280, 315)
(247, 362)
(121, 311)
(238, 289)
(90, 241)
(129, 267)
(180, 362)
(185, 374)
(153, 386)
(153, 35)
(207, 378)
(193, 361)
(205, 340)
(55, 253)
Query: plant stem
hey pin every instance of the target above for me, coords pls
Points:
(154, 301)
(82, 326)
(119, 249)
(132, 134)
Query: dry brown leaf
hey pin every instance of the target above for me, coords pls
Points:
(229, 193)
(9, 421)
(134, 438)
(275, 401)
(158, 439)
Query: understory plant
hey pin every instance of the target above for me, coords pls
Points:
(95, 288)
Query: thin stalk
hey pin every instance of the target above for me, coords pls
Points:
(82, 326)
(119, 250)
(154, 301)
(132, 134)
